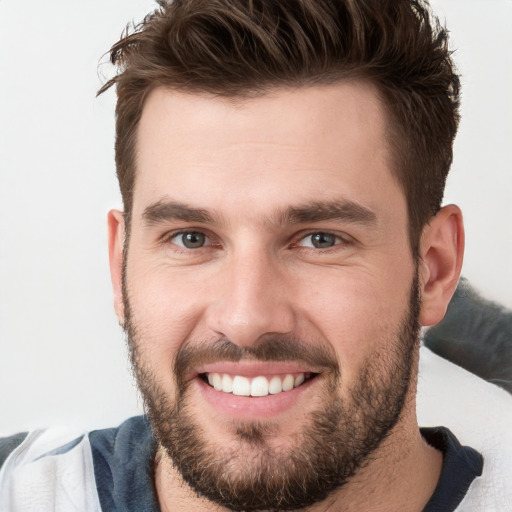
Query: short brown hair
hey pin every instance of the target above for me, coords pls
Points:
(244, 48)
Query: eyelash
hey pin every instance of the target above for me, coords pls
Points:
(343, 240)
(168, 237)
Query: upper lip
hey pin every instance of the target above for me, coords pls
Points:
(254, 368)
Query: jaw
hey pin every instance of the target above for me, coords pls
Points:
(317, 436)
(304, 448)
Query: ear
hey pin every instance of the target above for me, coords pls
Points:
(441, 254)
(115, 253)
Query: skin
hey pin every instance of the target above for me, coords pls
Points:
(246, 162)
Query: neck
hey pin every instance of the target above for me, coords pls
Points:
(400, 477)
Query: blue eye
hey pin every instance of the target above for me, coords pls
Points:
(190, 240)
(320, 240)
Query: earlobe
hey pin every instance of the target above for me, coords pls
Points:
(441, 254)
(116, 235)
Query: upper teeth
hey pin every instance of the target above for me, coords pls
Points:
(257, 386)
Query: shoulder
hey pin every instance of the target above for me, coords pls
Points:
(480, 415)
(49, 470)
(54, 469)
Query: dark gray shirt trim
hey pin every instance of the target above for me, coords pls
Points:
(123, 460)
(461, 465)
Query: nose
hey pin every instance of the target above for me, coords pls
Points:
(252, 300)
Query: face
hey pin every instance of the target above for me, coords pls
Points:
(269, 292)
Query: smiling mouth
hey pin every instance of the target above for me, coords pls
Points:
(257, 386)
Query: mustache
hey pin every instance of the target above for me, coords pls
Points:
(271, 348)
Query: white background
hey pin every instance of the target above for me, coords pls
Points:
(62, 354)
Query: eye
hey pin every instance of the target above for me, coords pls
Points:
(320, 240)
(190, 239)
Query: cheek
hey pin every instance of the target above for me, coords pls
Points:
(166, 310)
(358, 313)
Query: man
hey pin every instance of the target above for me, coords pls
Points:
(282, 167)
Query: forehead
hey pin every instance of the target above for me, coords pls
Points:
(287, 146)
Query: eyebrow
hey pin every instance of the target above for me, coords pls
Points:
(167, 210)
(342, 210)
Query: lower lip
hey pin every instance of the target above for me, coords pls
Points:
(241, 407)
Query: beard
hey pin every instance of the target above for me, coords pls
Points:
(338, 439)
